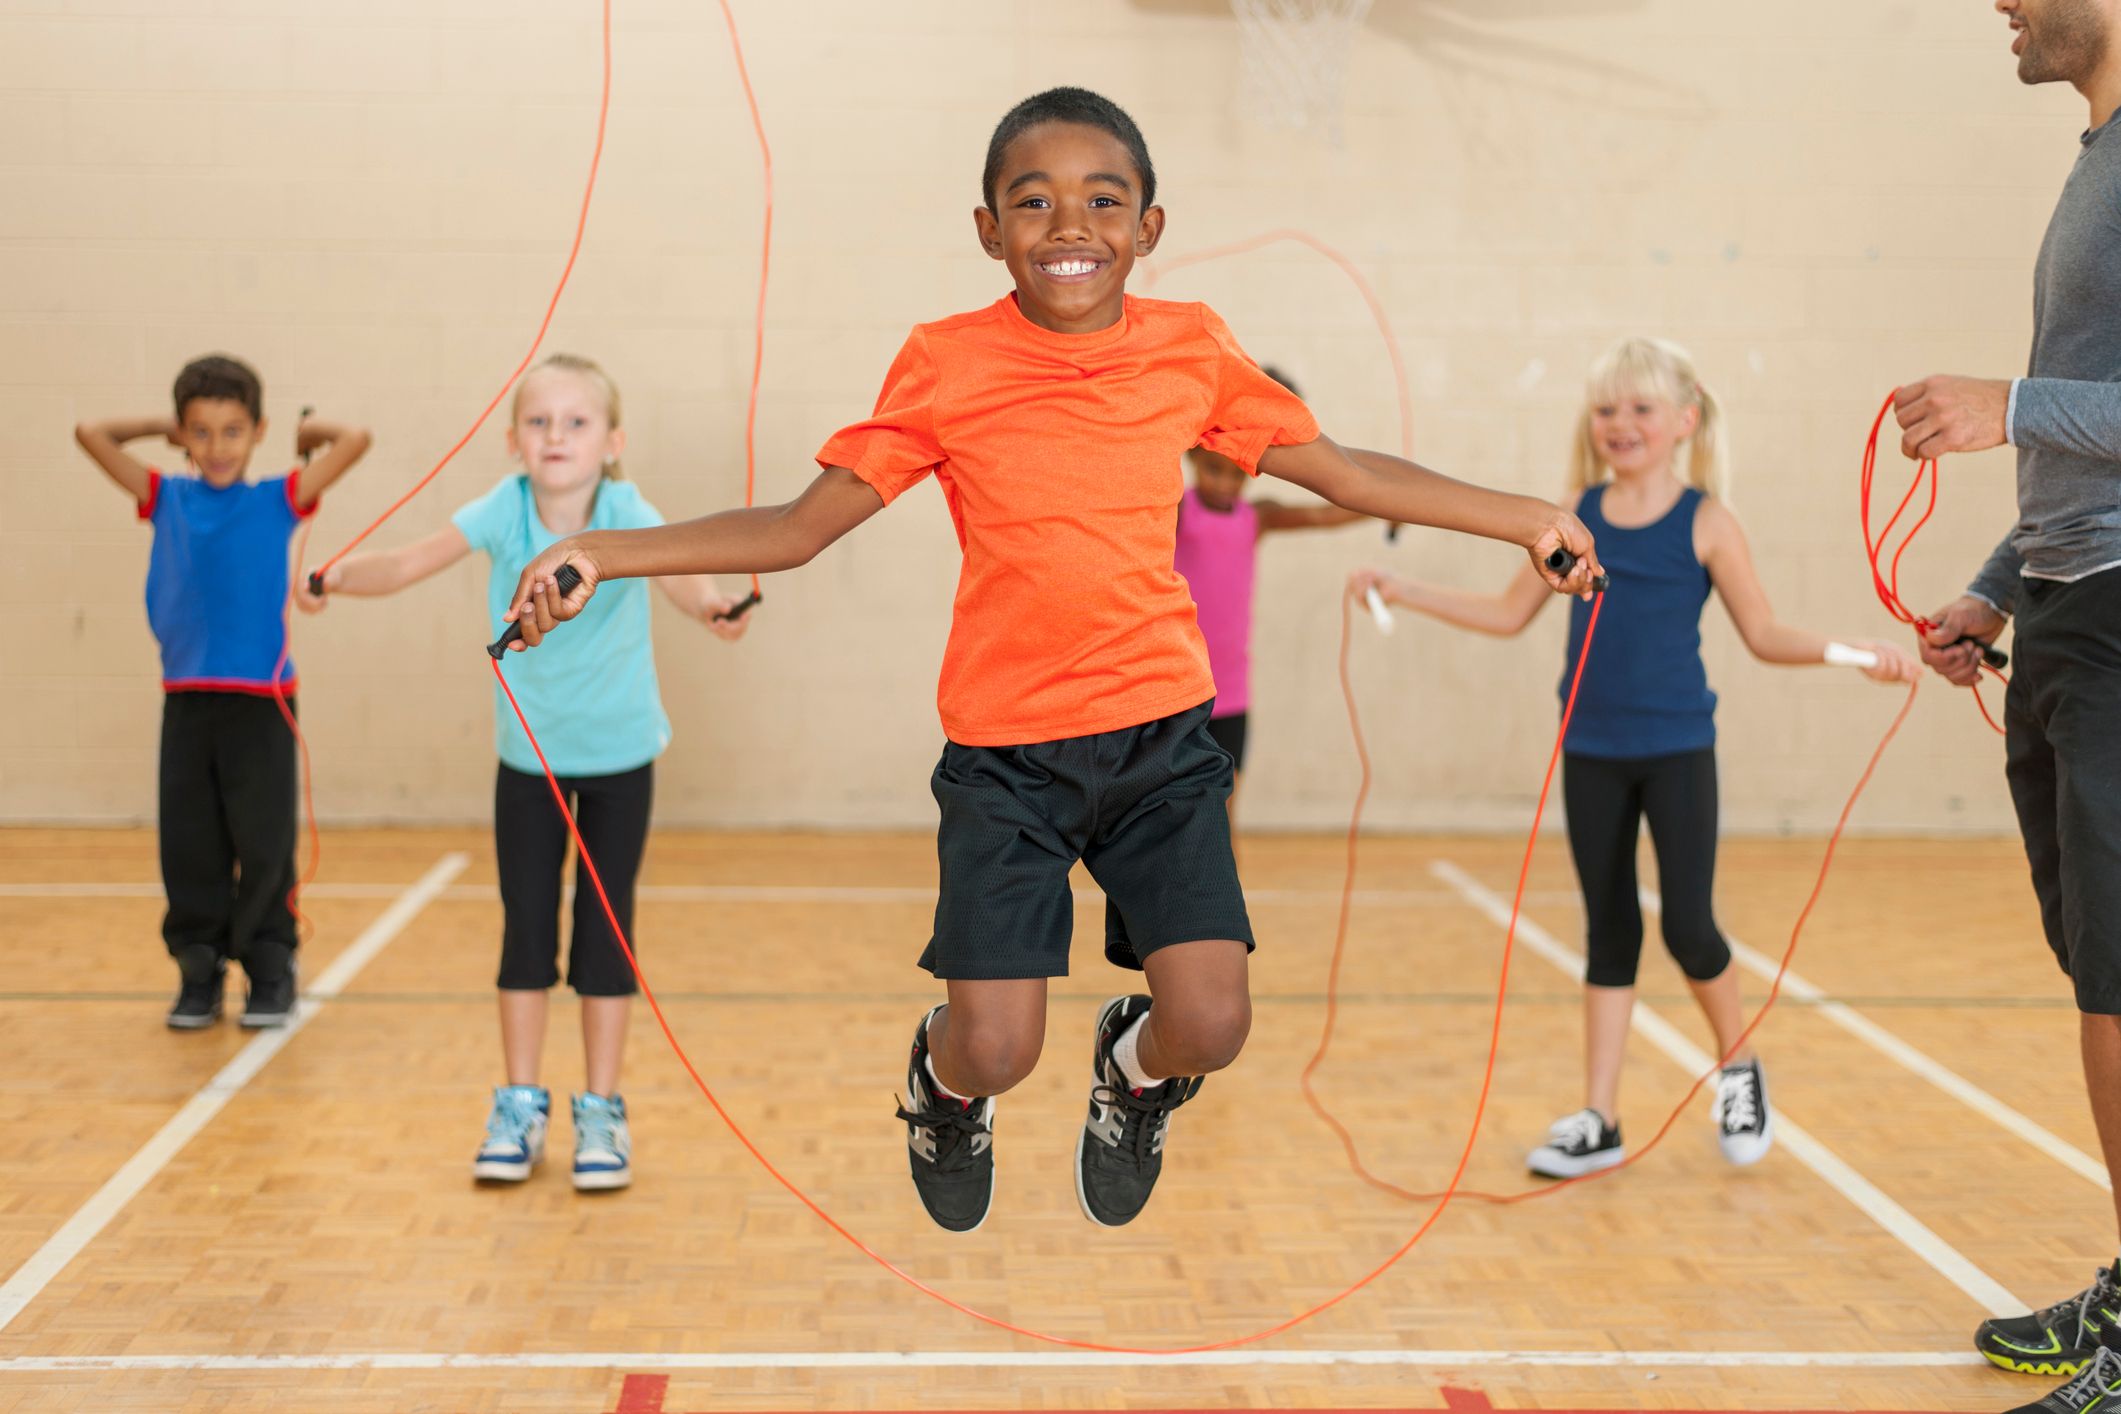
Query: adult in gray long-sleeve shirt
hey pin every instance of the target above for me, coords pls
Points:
(2058, 573)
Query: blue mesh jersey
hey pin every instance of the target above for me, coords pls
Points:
(217, 581)
(1645, 692)
(590, 688)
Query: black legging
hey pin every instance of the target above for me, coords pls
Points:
(530, 843)
(1606, 802)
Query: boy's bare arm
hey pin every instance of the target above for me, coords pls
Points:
(1394, 489)
(105, 442)
(343, 446)
(754, 540)
(1273, 515)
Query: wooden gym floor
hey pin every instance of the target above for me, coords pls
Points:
(222, 1221)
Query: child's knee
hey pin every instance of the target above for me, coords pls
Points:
(983, 1058)
(1698, 948)
(1203, 1034)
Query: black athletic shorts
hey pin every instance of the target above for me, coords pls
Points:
(1143, 807)
(1229, 733)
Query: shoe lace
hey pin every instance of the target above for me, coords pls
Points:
(1148, 1112)
(2076, 1310)
(954, 1127)
(511, 1116)
(1737, 1100)
(597, 1127)
(1579, 1131)
(2100, 1375)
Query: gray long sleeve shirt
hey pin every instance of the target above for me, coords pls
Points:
(2065, 414)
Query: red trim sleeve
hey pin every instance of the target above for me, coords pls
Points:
(294, 498)
(154, 494)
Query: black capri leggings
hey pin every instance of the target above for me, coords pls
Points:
(1606, 802)
(531, 840)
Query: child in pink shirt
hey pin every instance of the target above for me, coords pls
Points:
(1218, 551)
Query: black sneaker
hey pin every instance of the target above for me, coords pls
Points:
(1577, 1144)
(2096, 1389)
(1121, 1149)
(198, 1003)
(271, 1001)
(2060, 1339)
(949, 1143)
(1745, 1128)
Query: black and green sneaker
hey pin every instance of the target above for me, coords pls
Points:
(949, 1143)
(2096, 1389)
(1120, 1152)
(2060, 1339)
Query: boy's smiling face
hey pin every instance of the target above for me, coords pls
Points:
(219, 435)
(1068, 222)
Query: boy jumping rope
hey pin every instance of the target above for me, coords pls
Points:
(1075, 688)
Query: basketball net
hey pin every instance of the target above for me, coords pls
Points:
(1293, 61)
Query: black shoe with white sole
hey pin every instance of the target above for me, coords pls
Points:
(1745, 1127)
(1120, 1153)
(949, 1143)
(1577, 1144)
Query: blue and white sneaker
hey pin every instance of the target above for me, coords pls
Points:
(515, 1134)
(603, 1146)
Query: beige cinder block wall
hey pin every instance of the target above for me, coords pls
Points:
(372, 206)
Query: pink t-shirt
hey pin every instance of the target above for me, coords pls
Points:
(1216, 553)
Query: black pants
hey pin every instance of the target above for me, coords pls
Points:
(2063, 720)
(530, 839)
(226, 817)
(1607, 801)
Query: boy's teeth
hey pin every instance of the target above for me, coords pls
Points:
(1070, 267)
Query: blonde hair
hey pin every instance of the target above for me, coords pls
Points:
(590, 369)
(1658, 368)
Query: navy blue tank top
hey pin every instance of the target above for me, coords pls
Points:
(1645, 692)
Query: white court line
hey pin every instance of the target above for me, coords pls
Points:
(63, 1246)
(1934, 1071)
(1918, 1238)
(973, 1359)
(758, 893)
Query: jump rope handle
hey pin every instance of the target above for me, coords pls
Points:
(1561, 562)
(567, 578)
(316, 577)
(1378, 611)
(737, 610)
(1990, 654)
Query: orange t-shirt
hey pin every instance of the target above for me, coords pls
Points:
(1059, 456)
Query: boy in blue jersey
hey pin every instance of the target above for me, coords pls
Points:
(217, 584)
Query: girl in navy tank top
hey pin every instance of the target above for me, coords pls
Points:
(1642, 741)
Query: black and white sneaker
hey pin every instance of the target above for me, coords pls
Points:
(1120, 1152)
(949, 1143)
(270, 1001)
(1744, 1126)
(2060, 1339)
(1577, 1144)
(198, 1003)
(2095, 1389)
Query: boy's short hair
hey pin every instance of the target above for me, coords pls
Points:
(1282, 378)
(1068, 105)
(221, 377)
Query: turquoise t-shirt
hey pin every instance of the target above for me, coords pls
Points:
(589, 690)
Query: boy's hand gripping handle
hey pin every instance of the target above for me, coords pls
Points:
(566, 578)
(1561, 562)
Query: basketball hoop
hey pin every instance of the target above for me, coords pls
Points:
(1294, 61)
